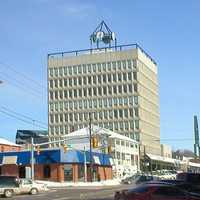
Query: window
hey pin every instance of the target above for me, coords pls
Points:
(135, 88)
(114, 78)
(99, 67)
(109, 77)
(60, 71)
(120, 113)
(70, 82)
(79, 80)
(74, 69)
(119, 65)
(99, 91)
(94, 67)
(56, 94)
(60, 94)
(89, 67)
(65, 82)
(94, 80)
(129, 76)
(100, 103)
(114, 65)
(105, 102)
(104, 78)
(90, 91)
(136, 100)
(131, 112)
(65, 94)
(129, 63)
(84, 68)
(65, 70)
(135, 75)
(84, 80)
(114, 89)
(89, 80)
(51, 72)
(124, 77)
(99, 78)
(51, 83)
(109, 66)
(125, 88)
(56, 83)
(110, 90)
(70, 70)
(95, 91)
(115, 114)
(70, 93)
(119, 77)
(119, 88)
(137, 124)
(61, 83)
(130, 88)
(61, 118)
(126, 113)
(85, 92)
(56, 72)
(47, 171)
(104, 66)
(136, 112)
(104, 90)
(80, 92)
(79, 69)
(124, 64)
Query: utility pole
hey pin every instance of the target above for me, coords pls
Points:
(90, 137)
(32, 159)
(85, 166)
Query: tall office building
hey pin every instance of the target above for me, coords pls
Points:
(118, 85)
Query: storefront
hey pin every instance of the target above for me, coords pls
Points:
(56, 165)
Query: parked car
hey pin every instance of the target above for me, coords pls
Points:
(137, 179)
(187, 181)
(155, 191)
(10, 185)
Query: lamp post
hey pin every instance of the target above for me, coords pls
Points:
(90, 137)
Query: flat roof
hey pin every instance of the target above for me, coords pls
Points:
(101, 49)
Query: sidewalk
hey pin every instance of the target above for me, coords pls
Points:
(90, 185)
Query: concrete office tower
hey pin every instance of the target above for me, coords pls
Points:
(117, 85)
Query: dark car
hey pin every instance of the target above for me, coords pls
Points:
(155, 191)
(137, 179)
(187, 181)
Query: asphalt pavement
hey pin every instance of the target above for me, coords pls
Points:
(75, 193)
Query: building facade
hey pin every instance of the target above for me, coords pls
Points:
(23, 137)
(118, 86)
(57, 165)
(124, 150)
(6, 146)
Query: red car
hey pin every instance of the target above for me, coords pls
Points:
(153, 191)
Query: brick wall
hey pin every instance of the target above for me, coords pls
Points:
(4, 148)
(9, 170)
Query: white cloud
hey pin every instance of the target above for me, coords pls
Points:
(78, 10)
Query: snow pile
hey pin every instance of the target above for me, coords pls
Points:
(80, 184)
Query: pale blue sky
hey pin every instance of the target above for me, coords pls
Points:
(168, 30)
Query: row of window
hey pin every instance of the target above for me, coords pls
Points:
(92, 92)
(92, 68)
(95, 79)
(93, 103)
(111, 114)
(115, 126)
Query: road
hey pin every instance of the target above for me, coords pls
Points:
(71, 193)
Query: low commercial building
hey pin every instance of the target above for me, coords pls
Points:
(23, 137)
(166, 151)
(6, 145)
(57, 165)
(124, 150)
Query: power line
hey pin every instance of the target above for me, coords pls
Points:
(21, 87)
(20, 119)
(24, 116)
(22, 74)
(20, 83)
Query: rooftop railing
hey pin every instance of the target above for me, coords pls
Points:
(97, 50)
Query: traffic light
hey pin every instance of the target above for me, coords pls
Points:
(95, 143)
(65, 148)
(109, 149)
(38, 150)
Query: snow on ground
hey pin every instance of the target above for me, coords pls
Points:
(78, 184)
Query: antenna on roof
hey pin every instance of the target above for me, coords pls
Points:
(102, 33)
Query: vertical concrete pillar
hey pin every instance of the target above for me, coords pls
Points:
(75, 172)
